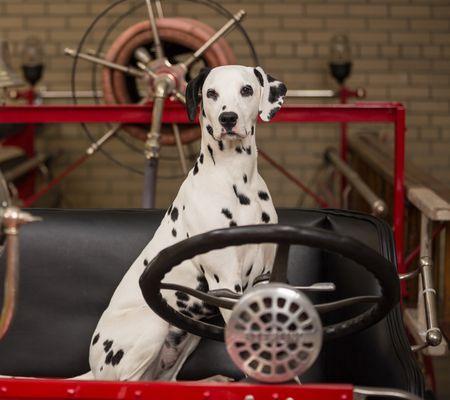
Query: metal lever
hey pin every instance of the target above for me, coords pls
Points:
(433, 336)
(378, 206)
(12, 219)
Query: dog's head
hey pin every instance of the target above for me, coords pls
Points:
(232, 97)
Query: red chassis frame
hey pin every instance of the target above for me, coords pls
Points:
(174, 112)
(50, 389)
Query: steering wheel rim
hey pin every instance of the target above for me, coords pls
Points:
(381, 268)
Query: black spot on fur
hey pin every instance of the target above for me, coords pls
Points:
(273, 111)
(245, 287)
(270, 78)
(211, 153)
(216, 278)
(243, 199)
(174, 214)
(227, 213)
(263, 195)
(253, 130)
(195, 168)
(210, 130)
(245, 178)
(96, 337)
(233, 223)
(181, 296)
(175, 338)
(265, 217)
(117, 357)
(174, 232)
(170, 209)
(237, 288)
(276, 92)
(187, 234)
(145, 262)
(223, 108)
(259, 76)
(196, 308)
(239, 149)
(220, 145)
(184, 207)
(203, 112)
(107, 345)
(101, 368)
(202, 269)
(249, 271)
(109, 357)
(248, 150)
(202, 283)
(181, 304)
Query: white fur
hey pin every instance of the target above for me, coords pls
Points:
(128, 321)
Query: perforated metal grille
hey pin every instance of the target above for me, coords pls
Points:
(274, 333)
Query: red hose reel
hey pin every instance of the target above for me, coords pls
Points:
(185, 32)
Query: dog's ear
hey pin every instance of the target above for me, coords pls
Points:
(272, 94)
(193, 93)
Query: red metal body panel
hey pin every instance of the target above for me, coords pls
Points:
(48, 389)
(175, 112)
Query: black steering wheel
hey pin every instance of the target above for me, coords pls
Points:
(285, 235)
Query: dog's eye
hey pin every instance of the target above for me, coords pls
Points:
(212, 94)
(246, 91)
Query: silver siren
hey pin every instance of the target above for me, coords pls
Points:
(274, 333)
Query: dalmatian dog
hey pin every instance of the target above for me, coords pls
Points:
(223, 189)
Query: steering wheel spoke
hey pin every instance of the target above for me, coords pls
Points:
(209, 298)
(280, 265)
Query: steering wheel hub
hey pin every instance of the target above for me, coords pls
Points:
(274, 333)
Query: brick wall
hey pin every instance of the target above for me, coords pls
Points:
(401, 51)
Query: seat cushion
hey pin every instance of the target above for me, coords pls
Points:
(71, 263)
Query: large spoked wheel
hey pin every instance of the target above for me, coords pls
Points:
(285, 236)
(150, 62)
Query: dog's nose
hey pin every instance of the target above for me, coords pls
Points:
(228, 119)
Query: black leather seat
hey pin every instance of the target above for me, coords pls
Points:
(73, 260)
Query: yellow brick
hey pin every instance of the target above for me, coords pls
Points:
(275, 8)
(326, 9)
(410, 11)
(45, 22)
(368, 10)
(60, 7)
(302, 23)
(345, 23)
(28, 8)
(391, 24)
(410, 37)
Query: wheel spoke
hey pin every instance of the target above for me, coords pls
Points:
(213, 39)
(176, 133)
(279, 271)
(158, 47)
(97, 60)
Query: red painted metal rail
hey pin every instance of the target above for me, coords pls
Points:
(174, 112)
(52, 389)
